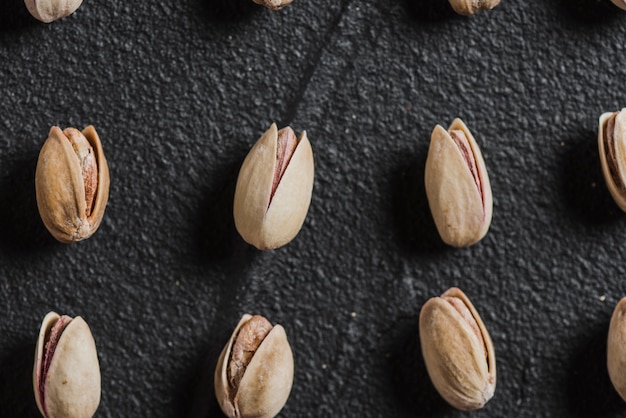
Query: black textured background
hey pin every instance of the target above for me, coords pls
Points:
(180, 90)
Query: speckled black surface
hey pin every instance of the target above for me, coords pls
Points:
(179, 91)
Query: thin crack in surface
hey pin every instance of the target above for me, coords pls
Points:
(314, 60)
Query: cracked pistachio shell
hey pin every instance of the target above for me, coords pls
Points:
(469, 7)
(66, 374)
(273, 4)
(457, 350)
(616, 349)
(620, 3)
(267, 379)
(457, 186)
(51, 10)
(612, 149)
(60, 187)
(267, 221)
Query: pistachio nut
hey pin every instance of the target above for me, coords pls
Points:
(254, 373)
(66, 374)
(616, 349)
(274, 189)
(469, 7)
(457, 186)
(273, 4)
(51, 10)
(612, 148)
(72, 183)
(620, 3)
(457, 350)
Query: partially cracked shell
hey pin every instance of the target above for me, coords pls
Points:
(457, 186)
(273, 4)
(71, 201)
(469, 7)
(266, 379)
(269, 209)
(66, 373)
(457, 350)
(50, 10)
(616, 348)
(612, 149)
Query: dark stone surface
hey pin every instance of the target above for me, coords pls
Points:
(179, 91)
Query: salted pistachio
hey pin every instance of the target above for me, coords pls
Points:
(620, 3)
(616, 348)
(273, 4)
(72, 183)
(457, 186)
(254, 373)
(274, 189)
(469, 7)
(612, 149)
(66, 374)
(51, 10)
(457, 350)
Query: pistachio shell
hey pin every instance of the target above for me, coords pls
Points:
(468, 7)
(71, 386)
(50, 10)
(613, 159)
(262, 220)
(620, 3)
(616, 349)
(461, 209)
(60, 187)
(273, 4)
(458, 353)
(267, 380)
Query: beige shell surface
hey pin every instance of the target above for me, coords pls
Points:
(461, 214)
(620, 154)
(469, 7)
(72, 385)
(51, 10)
(265, 224)
(616, 348)
(267, 381)
(273, 4)
(620, 3)
(60, 188)
(454, 355)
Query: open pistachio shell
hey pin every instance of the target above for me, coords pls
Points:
(616, 349)
(50, 10)
(266, 382)
(273, 4)
(457, 350)
(469, 7)
(60, 187)
(269, 221)
(457, 186)
(66, 374)
(612, 149)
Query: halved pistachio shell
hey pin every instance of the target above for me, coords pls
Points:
(274, 189)
(264, 384)
(273, 4)
(616, 349)
(457, 186)
(468, 7)
(612, 148)
(66, 374)
(457, 350)
(50, 10)
(620, 3)
(72, 183)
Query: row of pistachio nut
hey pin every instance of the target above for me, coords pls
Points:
(50, 10)
(253, 377)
